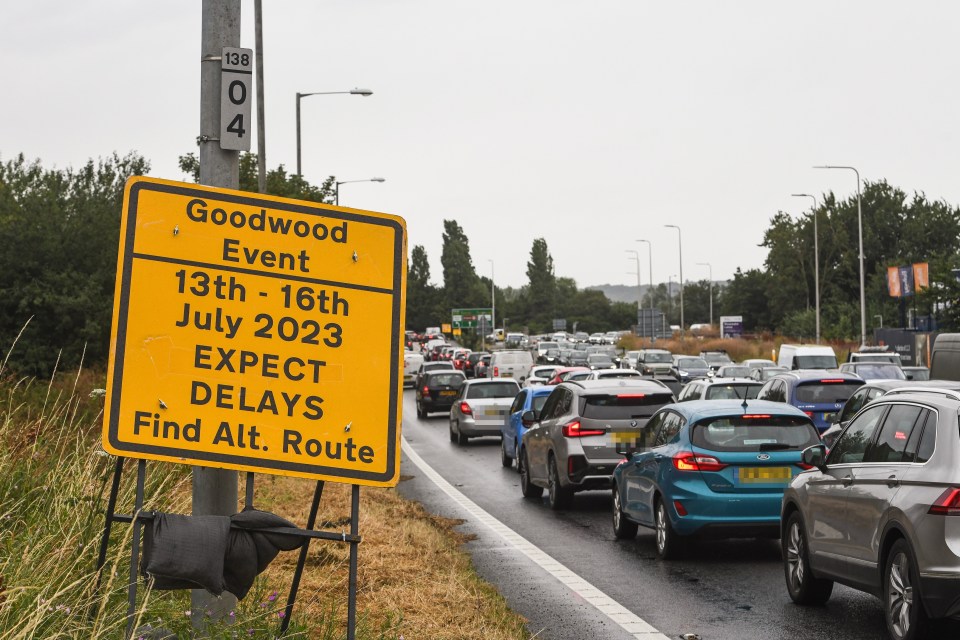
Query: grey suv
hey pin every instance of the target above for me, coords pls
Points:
(571, 445)
(879, 512)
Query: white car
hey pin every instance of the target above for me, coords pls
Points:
(607, 374)
(540, 374)
(411, 363)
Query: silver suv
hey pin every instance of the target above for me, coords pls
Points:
(571, 445)
(879, 512)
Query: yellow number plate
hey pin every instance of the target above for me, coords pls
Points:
(764, 474)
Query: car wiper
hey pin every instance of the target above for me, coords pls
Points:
(776, 446)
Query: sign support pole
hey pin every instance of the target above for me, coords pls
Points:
(215, 490)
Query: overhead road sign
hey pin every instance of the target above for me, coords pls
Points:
(470, 318)
(257, 333)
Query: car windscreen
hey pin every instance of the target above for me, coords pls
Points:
(444, 380)
(919, 374)
(599, 358)
(732, 391)
(755, 433)
(431, 366)
(716, 358)
(691, 363)
(619, 373)
(659, 358)
(543, 372)
(548, 345)
(736, 372)
(825, 391)
(492, 390)
(623, 406)
(815, 362)
(578, 356)
(878, 371)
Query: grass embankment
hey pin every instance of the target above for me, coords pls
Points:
(738, 349)
(414, 581)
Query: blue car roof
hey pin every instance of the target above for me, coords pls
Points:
(542, 390)
(697, 410)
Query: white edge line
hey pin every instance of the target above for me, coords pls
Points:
(620, 615)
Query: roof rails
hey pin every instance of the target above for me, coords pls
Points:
(950, 393)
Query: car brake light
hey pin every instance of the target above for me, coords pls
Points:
(573, 430)
(496, 372)
(756, 416)
(805, 466)
(832, 381)
(426, 390)
(465, 409)
(809, 414)
(948, 504)
(689, 461)
(631, 395)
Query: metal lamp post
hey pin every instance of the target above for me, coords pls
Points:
(355, 92)
(816, 258)
(707, 265)
(863, 298)
(336, 190)
(493, 301)
(650, 273)
(680, 245)
(636, 256)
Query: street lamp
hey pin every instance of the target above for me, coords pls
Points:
(707, 265)
(863, 298)
(816, 257)
(881, 319)
(493, 302)
(336, 190)
(636, 256)
(650, 254)
(354, 92)
(680, 245)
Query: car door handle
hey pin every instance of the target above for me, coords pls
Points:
(846, 480)
(893, 481)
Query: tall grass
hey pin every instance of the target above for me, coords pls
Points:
(54, 485)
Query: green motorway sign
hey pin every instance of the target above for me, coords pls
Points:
(470, 318)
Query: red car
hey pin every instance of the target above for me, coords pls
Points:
(564, 373)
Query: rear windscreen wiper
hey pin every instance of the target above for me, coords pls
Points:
(775, 446)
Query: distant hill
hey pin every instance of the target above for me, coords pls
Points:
(620, 292)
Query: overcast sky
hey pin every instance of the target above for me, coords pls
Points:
(590, 124)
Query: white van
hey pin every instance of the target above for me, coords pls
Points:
(807, 356)
(511, 363)
(411, 363)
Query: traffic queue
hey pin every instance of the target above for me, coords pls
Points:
(854, 467)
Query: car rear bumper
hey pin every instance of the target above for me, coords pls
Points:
(728, 514)
(941, 595)
(480, 426)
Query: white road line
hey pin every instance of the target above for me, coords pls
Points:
(619, 614)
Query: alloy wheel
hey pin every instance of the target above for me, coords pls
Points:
(900, 594)
(661, 526)
(795, 556)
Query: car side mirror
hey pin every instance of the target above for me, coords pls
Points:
(529, 417)
(815, 456)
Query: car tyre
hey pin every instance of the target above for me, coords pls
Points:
(420, 412)
(903, 609)
(527, 487)
(505, 460)
(559, 496)
(623, 529)
(804, 588)
(453, 435)
(668, 541)
(462, 440)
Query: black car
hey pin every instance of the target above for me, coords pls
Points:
(470, 367)
(430, 366)
(438, 391)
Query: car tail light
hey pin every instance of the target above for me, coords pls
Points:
(631, 395)
(573, 430)
(948, 504)
(809, 414)
(496, 372)
(465, 409)
(689, 461)
(426, 390)
(805, 466)
(840, 381)
(681, 511)
(756, 416)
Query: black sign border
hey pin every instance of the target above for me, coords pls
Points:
(134, 187)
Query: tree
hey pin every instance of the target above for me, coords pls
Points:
(461, 286)
(279, 182)
(542, 288)
(421, 295)
(59, 237)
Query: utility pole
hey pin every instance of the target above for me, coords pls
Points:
(261, 115)
(215, 490)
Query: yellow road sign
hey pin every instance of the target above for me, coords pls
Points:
(257, 333)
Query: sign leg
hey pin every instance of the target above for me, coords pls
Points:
(107, 523)
(295, 586)
(354, 548)
(135, 549)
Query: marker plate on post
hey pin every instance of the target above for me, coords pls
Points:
(236, 98)
(257, 333)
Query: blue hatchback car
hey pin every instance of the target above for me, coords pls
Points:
(818, 393)
(710, 467)
(529, 399)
